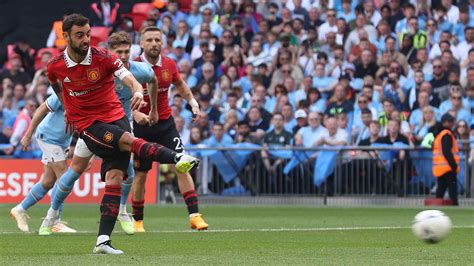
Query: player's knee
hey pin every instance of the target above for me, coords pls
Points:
(140, 177)
(47, 183)
(114, 177)
(79, 165)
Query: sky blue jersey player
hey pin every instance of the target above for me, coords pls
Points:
(48, 122)
(143, 73)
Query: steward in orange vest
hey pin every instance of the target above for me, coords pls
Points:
(446, 159)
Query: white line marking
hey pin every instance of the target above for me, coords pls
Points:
(260, 230)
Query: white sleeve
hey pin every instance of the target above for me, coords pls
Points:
(121, 73)
(18, 133)
(51, 39)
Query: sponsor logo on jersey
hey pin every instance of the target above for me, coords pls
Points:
(93, 74)
(108, 137)
(66, 79)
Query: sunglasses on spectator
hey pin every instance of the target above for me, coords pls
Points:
(331, 15)
(437, 66)
(455, 97)
(362, 101)
(285, 71)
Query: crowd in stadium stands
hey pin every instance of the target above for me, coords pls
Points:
(297, 72)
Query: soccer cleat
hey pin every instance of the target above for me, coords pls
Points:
(186, 163)
(138, 225)
(126, 223)
(46, 228)
(198, 223)
(106, 248)
(61, 227)
(20, 218)
(45, 231)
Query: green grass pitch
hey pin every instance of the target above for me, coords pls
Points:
(282, 235)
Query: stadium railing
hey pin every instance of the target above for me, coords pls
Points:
(243, 170)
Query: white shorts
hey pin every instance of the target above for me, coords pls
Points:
(52, 153)
(81, 149)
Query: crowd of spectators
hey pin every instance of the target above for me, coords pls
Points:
(294, 72)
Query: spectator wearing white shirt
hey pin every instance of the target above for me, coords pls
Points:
(463, 48)
(453, 11)
(333, 136)
(257, 55)
(329, 25)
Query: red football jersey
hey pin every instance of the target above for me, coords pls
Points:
(88, 90)
(166, 73)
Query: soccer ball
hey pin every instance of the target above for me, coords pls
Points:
(431, 226)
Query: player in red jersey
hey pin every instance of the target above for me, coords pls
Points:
(83, 78)
(164, 131)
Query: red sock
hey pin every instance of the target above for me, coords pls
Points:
(109, 209)
(138, 209)
(191, 199)
(153, 151)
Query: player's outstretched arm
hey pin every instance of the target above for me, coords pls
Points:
(137, 89)
(186, 93)
(39, 115)
(152, 88)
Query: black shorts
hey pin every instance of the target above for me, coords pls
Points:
(164, 132)
(102, 139)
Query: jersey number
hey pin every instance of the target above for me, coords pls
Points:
(179, 145)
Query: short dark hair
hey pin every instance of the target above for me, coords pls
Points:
(149, 28)
(119, 38)
(74, 20)
(366, 111)
(243, 123)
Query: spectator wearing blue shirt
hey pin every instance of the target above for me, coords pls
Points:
(194, 17)
(416, 116)
(339, 102)
(394, 91)
(443, 22)
(218, 137)
(316, 102)
(464, 22)
(309, 135)
(174, 12)
(347, 11)
(323, 82)
(458, 110)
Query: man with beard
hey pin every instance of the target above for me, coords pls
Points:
(83, 78)
(164, 131)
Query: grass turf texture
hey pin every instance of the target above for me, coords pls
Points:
(174, 244)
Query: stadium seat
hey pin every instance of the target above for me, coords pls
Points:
(138, 19)
(99, 34)
(38, 63)
(185, 5)
(142, 8)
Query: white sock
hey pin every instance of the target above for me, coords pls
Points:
(102, 239)
(19, 208)
(123, 208)
(193, 214)
(52, 214)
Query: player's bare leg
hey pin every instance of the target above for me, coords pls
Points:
(138, 200)
(109, 209)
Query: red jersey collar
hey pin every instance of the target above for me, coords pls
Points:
(86, 62)
(142, 56)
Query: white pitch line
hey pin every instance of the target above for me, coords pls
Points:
(262, 230)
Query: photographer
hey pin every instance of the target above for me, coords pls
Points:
(393, 90)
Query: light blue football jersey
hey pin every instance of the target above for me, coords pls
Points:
(52, 129)
(143, 73)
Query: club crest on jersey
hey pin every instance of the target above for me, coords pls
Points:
(93, 74)
(165, 75)
(108, 137)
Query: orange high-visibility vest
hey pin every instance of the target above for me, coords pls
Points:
(60, 42)
(440, 164)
